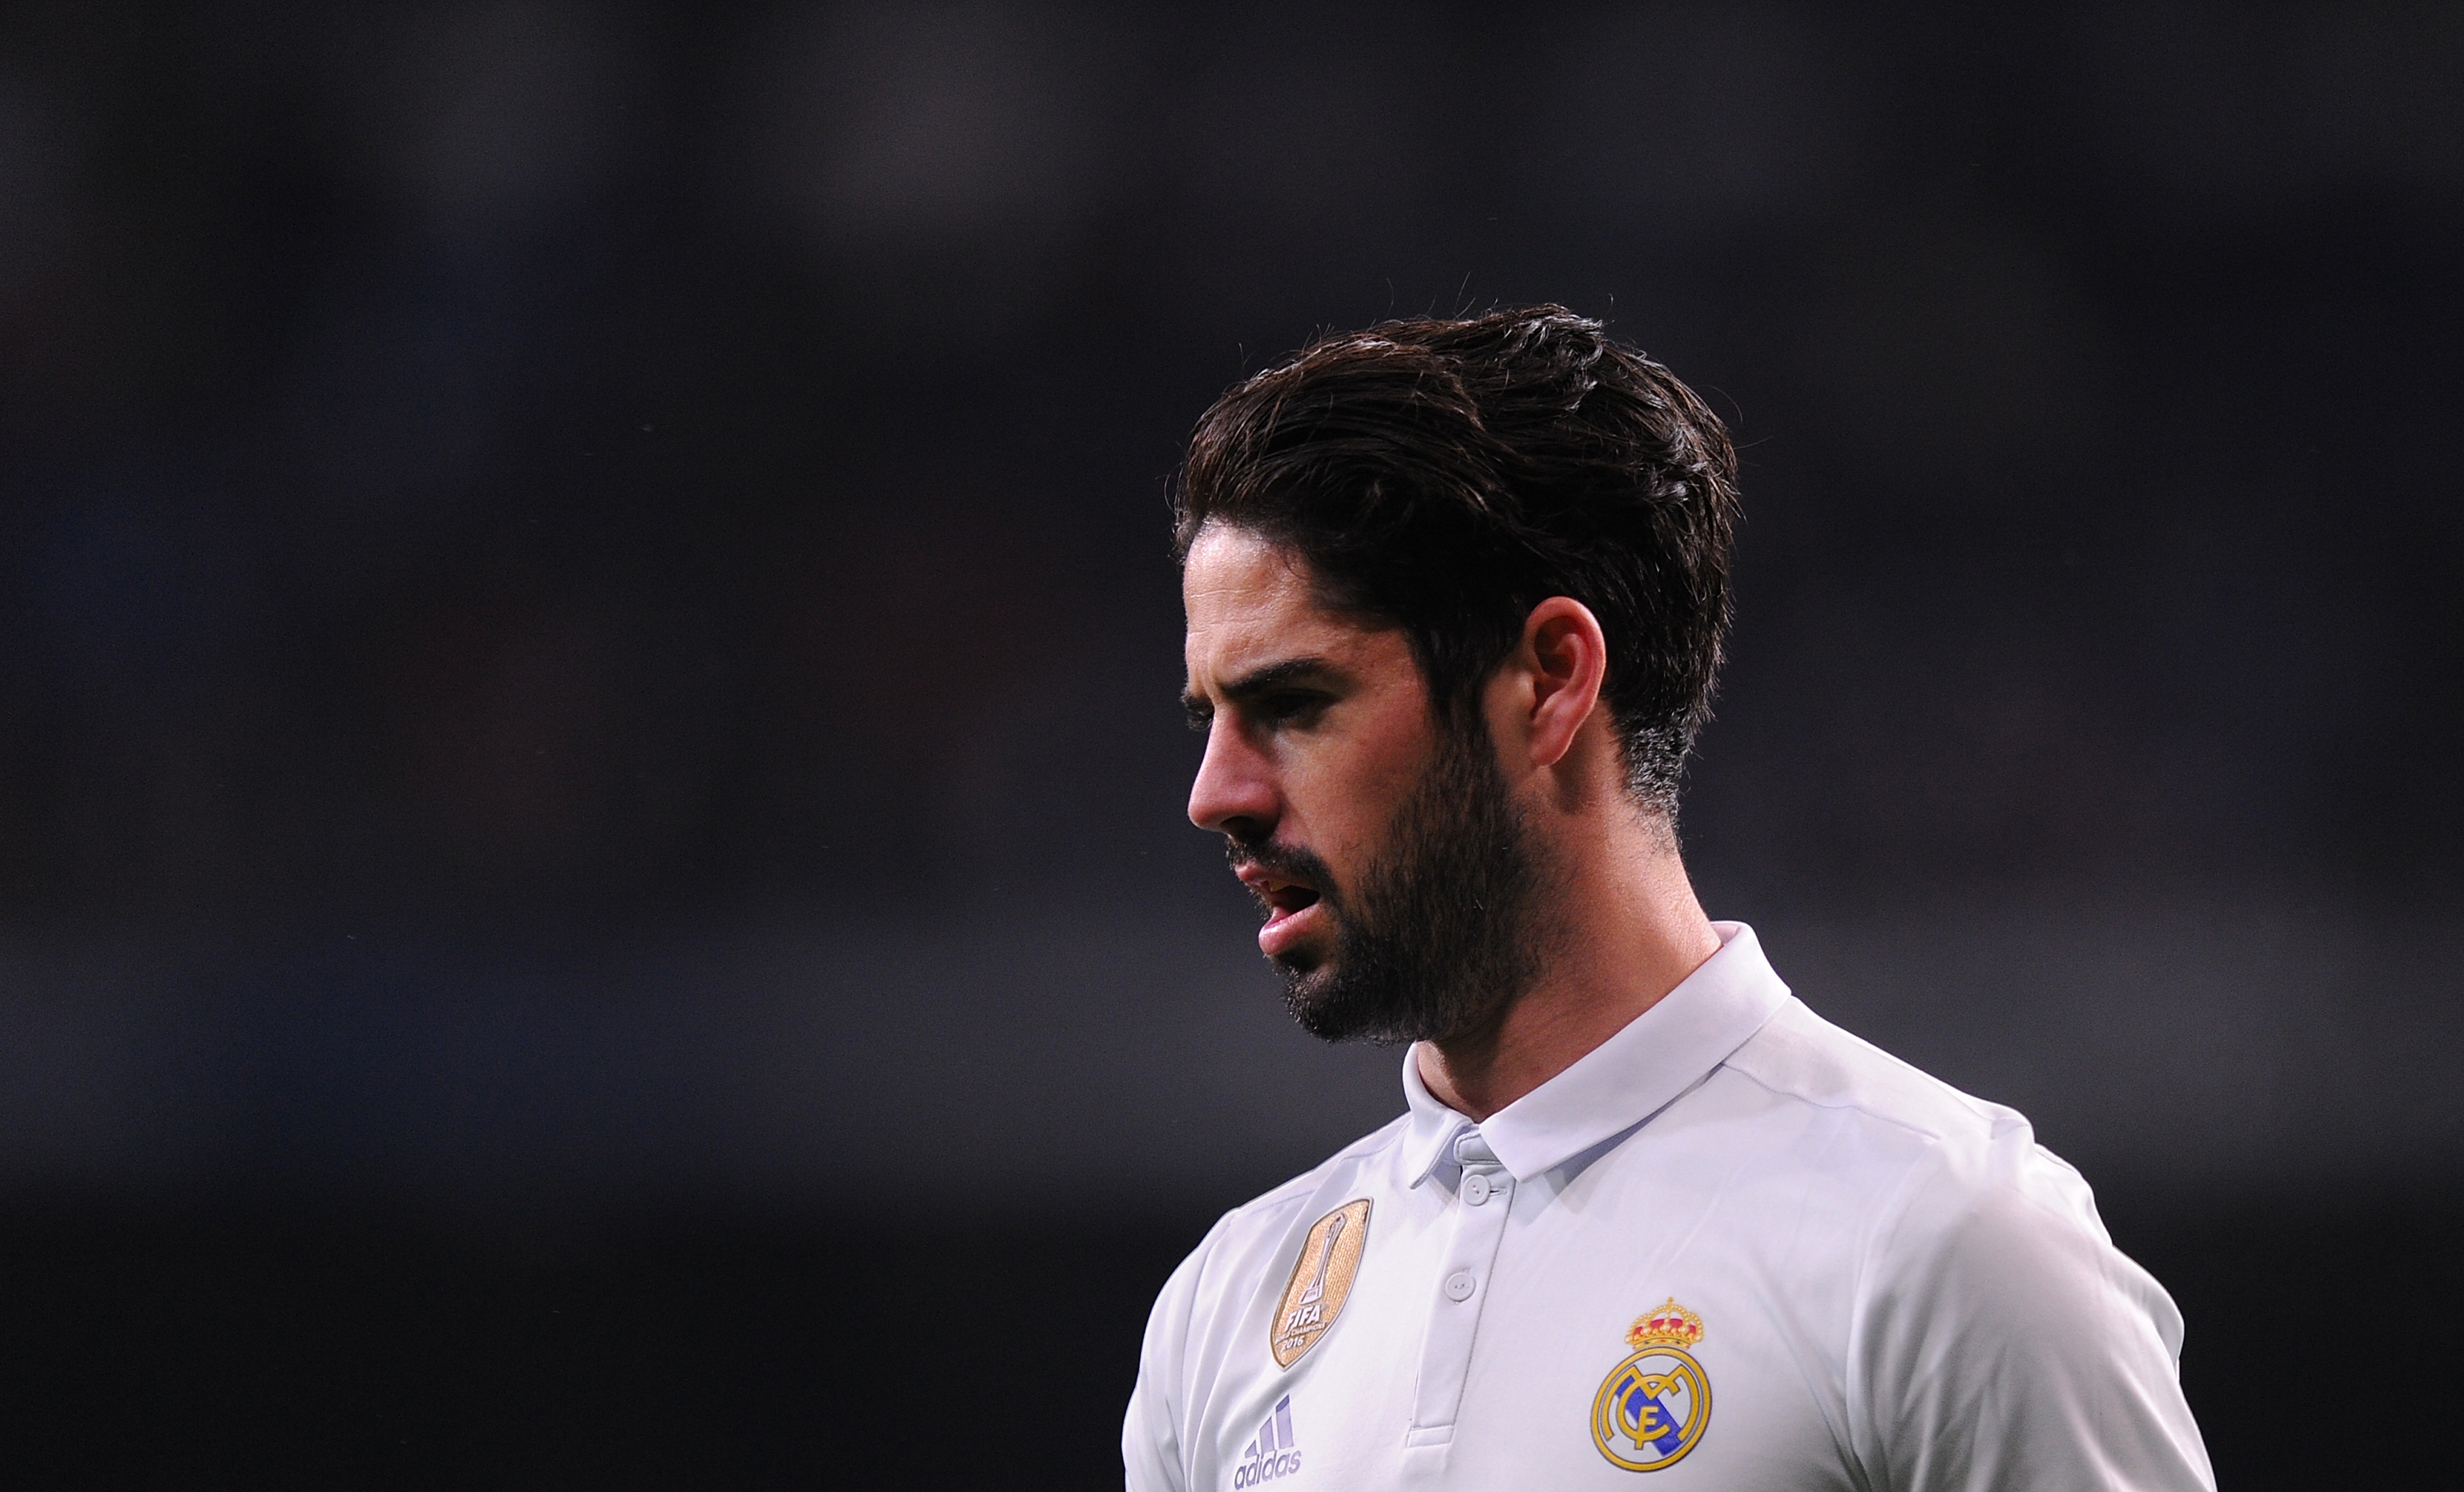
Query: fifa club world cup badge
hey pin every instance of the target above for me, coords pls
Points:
(1321, 1282)
(1650, 1407)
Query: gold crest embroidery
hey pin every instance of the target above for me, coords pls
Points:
(1653, 1407)
(1321, 1282)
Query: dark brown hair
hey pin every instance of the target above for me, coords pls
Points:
(1446, 477)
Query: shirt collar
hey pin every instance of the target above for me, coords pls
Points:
(1619, 1083)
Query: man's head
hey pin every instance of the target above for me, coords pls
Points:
(1399, 549)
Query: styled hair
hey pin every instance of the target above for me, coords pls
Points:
(1446, 477)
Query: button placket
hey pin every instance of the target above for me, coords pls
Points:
(1483, 1198)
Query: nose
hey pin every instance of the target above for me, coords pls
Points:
(1235, 791)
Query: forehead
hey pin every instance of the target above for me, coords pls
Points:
(1249, 603)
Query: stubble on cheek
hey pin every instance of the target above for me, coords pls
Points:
(1447, 924)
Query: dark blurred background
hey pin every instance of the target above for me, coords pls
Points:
(592, 885)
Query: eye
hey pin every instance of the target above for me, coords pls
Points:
(1295, 707)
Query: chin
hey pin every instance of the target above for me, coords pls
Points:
(1313, 975)
(1298, 963)
(1317, 1000)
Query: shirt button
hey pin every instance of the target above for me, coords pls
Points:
(1475, 1189)
(1459, 1285)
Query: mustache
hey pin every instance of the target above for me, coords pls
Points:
(1289, 861)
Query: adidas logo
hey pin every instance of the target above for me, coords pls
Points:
(1271, 1454)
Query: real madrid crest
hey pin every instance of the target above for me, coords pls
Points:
(1321, 1282)
(1652, 1407)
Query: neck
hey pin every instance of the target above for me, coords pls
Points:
(1628, 931)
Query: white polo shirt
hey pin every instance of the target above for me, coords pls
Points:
(1734, 1247)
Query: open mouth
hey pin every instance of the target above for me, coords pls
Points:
(1289, 903)
(1289, 906)
(1283, 898)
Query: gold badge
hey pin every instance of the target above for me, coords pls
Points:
(1321, 1280)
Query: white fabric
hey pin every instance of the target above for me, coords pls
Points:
(1898, 1287)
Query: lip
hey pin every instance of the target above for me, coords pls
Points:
(1293, 908)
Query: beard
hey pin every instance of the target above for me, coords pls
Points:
(1445, 931)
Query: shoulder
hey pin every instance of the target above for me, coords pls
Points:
(1996, 1325)
(1798, 1055)
(1270, 1216)
(1191, 1331)
(1998, 1337)
(1949, 1174)
(1984, 1248)
(1198, 1318)
(1942, 1142)
(1246, 1238)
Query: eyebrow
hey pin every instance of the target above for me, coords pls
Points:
(1261, 681)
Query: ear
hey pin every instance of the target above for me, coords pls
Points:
(1563, 657)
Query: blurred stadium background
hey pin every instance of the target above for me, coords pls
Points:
(591, 875)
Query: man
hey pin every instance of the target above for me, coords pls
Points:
(1455, 592)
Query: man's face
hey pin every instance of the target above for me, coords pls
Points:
(1398, 883)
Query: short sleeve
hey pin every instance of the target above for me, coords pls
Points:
(2001, 1341)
